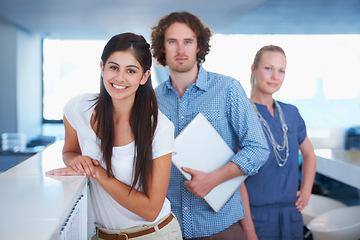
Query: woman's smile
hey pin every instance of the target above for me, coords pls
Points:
(118, 86)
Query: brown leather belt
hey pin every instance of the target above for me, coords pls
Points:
(125, 236)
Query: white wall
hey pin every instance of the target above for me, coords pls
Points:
(20, 80)
(29, 83)
(8, 113)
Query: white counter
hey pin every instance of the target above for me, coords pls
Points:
(35, 206)
(341, 165)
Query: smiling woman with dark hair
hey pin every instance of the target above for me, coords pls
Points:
(123, 143)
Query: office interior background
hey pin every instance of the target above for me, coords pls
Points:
(50, 51)
(320, 38)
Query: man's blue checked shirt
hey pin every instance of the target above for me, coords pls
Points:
(225, 104)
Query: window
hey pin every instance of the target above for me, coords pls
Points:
(71, 67)
(321, 77)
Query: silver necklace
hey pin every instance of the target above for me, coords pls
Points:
(276, 147)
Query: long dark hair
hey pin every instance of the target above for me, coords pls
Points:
(144, 113)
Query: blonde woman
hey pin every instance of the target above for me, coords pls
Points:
(275, 201)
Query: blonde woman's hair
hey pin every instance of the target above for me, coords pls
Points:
(268, 48)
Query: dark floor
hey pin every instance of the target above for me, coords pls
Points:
(336, 190)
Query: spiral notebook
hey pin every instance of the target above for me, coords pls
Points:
(199, 146)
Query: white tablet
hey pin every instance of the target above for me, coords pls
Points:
(199, 146)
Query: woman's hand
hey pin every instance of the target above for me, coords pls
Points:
(84, 165)
(66, 171)
(69, 171)
(302, 201)
(100, 172)
(309, 171)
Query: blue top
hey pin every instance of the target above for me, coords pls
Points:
(274, 184)
(223, 101)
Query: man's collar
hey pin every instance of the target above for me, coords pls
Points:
(168, 83)
(201, 80)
